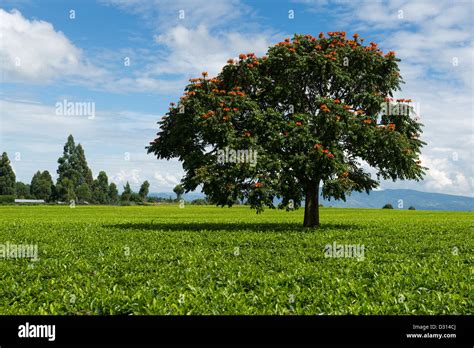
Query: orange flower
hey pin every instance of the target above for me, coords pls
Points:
(225, 118)
(318, 47)
(367, 121)
(235, 109)
(337, 101)
(291, 50)
(298, 123)
(324, 108)
(248, 134)
(317, 146)
(325, 151)
(264, 58)
(258, 184)
(204, 74)
(287, 39)
(330, 155)
(355, 36)
(391, 126)
(242, 56)
(345, 174)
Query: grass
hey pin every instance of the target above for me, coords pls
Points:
(208, 260)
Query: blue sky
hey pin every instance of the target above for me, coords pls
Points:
(47, 57)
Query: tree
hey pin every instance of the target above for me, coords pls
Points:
(179, 190)
(100, 189)
(411, 208)
(73, 167)
(69, 175)
(83, 193)
(144, 189)
(127, 193)
(113, 193)
(387, 206)
(22, 190)
(42, 185)
(82, 167)
(312, 110)
(7, 176)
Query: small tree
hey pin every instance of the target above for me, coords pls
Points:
(42, 185)
(143, 193)
(113, 193)
(312, 109)
(179, 190)
(127, 193)
(387, 206)
(100, 189)
(83, 193)
(22, 190)
(7, 176)
(411, 208)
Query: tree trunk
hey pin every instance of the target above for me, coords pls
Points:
(311, 209)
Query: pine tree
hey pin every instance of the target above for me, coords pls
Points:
(7, 176)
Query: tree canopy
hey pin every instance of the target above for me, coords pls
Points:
(316, 111)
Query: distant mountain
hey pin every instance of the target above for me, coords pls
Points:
(187, 196)
(419, 200)
(377, 199)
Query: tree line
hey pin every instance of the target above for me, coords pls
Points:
(74, 183)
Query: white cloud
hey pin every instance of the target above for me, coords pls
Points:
(166, 179)
(33, 51)
(192, 51)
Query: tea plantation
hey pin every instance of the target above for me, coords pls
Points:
(208, 260)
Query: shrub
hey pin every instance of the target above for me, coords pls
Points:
(412, 208)
(199, 201)
(387, 206)
(7, 199)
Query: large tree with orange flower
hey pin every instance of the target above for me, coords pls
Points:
(316, 111)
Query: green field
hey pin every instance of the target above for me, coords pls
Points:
(208, 260)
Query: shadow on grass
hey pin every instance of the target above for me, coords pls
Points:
(239, 226)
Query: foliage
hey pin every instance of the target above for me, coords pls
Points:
(144, 190)
(179, 190)
(6, 199)
(113, 193)
(387, 206)
(127, 193)
(7, 176)
(100, 189)
(22, 190)
(84, 193)
(412, 208)
(309, 116)
(207, 260)
(42, 185)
